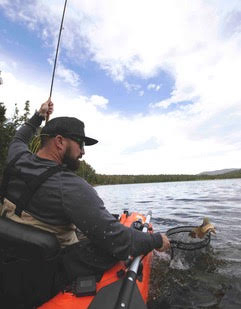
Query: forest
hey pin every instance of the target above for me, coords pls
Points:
(8, 127)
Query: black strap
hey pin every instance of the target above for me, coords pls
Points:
(33, 183)
(6, 175)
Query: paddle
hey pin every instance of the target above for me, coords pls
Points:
(124, 293)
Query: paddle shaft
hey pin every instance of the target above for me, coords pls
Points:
(131, 275)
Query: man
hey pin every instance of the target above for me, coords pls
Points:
(64, 201)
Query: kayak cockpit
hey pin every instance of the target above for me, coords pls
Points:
(32, 274)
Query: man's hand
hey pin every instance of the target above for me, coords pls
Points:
(165, 244)
(46, 108)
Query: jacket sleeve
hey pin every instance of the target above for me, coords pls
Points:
(86, 210)
(23, 136)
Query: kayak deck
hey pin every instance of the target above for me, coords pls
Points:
(67, 300)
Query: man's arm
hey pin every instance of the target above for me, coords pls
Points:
(86, 210)
(24, 135)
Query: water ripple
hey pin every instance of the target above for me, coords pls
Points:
(212, 279)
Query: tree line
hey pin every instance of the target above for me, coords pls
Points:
(8, 128)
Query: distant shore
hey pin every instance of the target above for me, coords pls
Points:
(101, 179)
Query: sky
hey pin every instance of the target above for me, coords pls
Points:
(157, 82)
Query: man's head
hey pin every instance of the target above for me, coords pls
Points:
(67, 127)
(67, 138)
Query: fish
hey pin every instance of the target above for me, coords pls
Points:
(203, 229)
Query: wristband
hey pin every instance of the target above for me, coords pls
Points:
(36, 120)
(39, 115)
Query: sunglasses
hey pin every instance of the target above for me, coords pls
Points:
(78, 140)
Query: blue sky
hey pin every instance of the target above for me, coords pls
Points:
(158, 86)
(132, 96)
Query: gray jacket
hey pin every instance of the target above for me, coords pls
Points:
(66, 198)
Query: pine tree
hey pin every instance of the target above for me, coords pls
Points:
(8, 128)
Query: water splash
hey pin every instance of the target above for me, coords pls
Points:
(178, 263)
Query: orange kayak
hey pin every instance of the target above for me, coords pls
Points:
(110, 280)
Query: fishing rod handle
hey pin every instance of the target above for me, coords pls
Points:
(47, 118)
(136, 262)
(148, 216)
(147, 222)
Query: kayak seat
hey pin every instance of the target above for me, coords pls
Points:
(27, 242)
(30, 265)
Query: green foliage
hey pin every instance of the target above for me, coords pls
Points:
(8, 128)
(3, 137)
(128, 179)
(87, 172)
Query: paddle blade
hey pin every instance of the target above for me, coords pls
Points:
(107, 297)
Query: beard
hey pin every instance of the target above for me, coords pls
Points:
(72, 164)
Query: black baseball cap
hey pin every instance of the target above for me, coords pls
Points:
(67, 127)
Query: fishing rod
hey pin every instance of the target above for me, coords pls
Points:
(56, 54)
(35, 143)
(124, 293)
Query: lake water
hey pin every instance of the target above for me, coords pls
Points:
(208, 278)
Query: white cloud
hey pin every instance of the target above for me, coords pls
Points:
(131, 86)
(163, 103)
(153, 87)
(3, 2)
(196, 42)
(148, 144)
(67, 75)
(98, 101)
(14, 90)
(192, 49)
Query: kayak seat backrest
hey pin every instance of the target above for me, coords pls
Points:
(27, 242)
(31, 269)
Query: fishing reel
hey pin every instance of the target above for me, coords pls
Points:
(138, 225)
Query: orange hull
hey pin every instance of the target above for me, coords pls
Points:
(69, 301)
